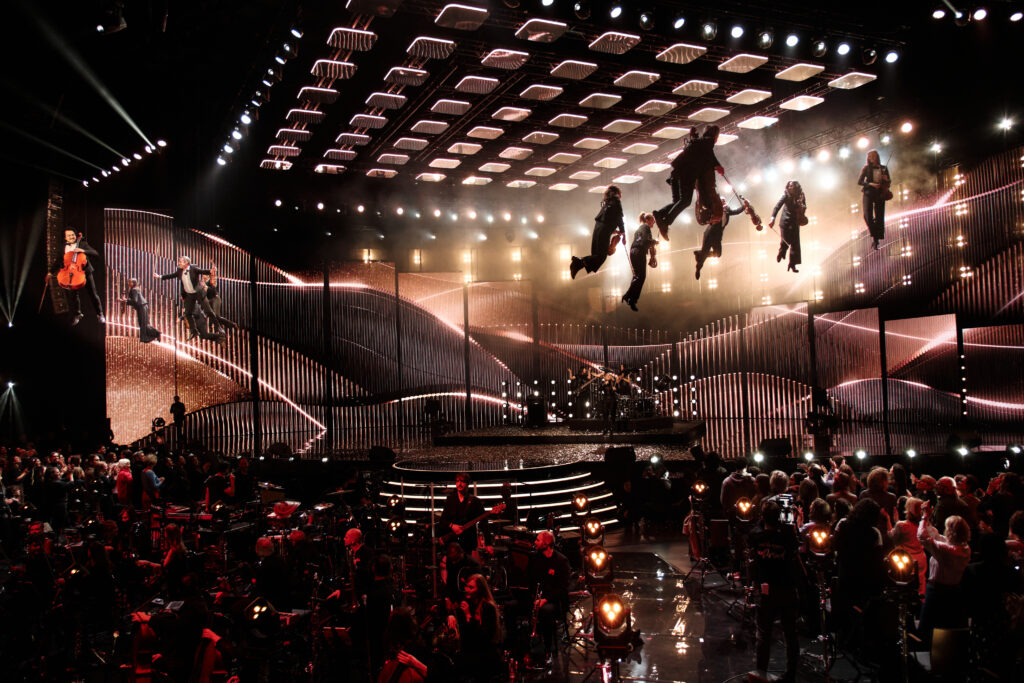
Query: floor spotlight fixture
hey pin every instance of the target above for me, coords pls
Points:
(744, 510)
(900, 566)
(612, 625)
(597, 564)
(582, 10)
(765, 39)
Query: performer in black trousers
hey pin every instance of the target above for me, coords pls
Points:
(133, 297)
(793, 205)
(191, 289)
(643, 242)
(694, 166)
(74, 242)
(213, 296)
(607, 222)
(874, 183)
(712, 244)
(461, 507)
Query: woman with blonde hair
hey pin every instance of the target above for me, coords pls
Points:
(950, 554)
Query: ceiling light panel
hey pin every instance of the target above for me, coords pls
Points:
(725, 139)
(708, 114)
(681, 53)
(486, 132)
(329, 68)
(627, 179)
(310, 116)
(405, 75)
(654, 167)
(384, 173)
(694, 88)
(511, 114)
(410, 143)
(801, 102)
(367, 121)
(800, 72)
(757, 122)
(431, 48)
(621, 126)
(590, 143)
(574, 70)
(517, 153)
(505, 59)
(742, 63)
(540, 137)
(479, 85)
(615, 43)
(541, 30)
(584, 175)
(353, 139)
(444, 163)
(851, 80)
(465, 148)
(329, 169)
(494, 167)
(655, 107)
(670, 132)
(640, 148)
(340, 154)
(393, 159)
(431, 177)
(540, 171)
(544, 93)
(283, 151)
(749, 96)
(315, 95)
(454, 107)
(428, 127)
(563, 187)
(386, 100)
(275, 165)
(293, 135)
(461, 17)
(476, 180)
(637, 79)
(520, 184)
(610, 162)
(600, 100)
(352, 39)
(568, 120)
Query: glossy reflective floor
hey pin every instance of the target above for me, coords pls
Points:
(688, 634)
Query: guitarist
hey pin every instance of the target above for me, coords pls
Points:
(460, 508)
(874, 183)
(75, 243)
(793, 205)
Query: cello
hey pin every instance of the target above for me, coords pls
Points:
(72, 275)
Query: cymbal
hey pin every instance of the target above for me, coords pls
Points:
(339, 492)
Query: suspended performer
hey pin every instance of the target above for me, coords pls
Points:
(695, 166)
(793, 206)
(643, 243)
(712, 243)
(875, 184)
(192, 292)
(608, 221)
(134, 298)
(75, 257)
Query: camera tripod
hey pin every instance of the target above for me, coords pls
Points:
(705, 564)
(822, 663)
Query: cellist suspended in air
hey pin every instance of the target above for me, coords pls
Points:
(74, 271)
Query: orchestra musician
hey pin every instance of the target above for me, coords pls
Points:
(711, 245)
(874, 183)
(133, 297)
(361, 561)
(549, 576)
(192, 293)
(607, 222)
(460, 508)
(694, 166)
(73, 243)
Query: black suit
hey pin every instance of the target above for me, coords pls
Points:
(873, 202)
(90, 283)
(196, 297)
(608, 221)
(147, 332)
(693, 167)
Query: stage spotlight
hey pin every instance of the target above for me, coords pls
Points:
(482, 237)
(228, 149)
(911, 453)
(615, 12)
(296, 32)
(112, 18)
(744, 510)
(540, 218)
(1013, 448)
(320, 206)
(261, 618)
(221, 161)
(885, 138)
(891, 57)
(598, 566)
(936, 148)
(823, 155)
(938, 13)
(962, 451)
(819, 540)
(765, 39)
(580, 504)
(10, 385)
(472, 215)
(709, 30)
(792, 40)
(646, 20)
(547, 3)
(980, 14)
(844, 152)
(612, 624)
(758, 457)
(808, 456)
(581, 10)
(396, 530)
(161, 143)
(236, 134)
(1006, 123)
(900, 566)
(736, 31)
(360, 208)
(843, 49)
(507, 216)
(437, 213)
(593, 531)
(819, 47)
(860, 453)
(1016, 16)
(678, 22)
(869, 56)
(863, 142)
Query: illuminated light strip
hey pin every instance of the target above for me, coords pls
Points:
(970, 399)
(482, 485)
(524, 496)
(224, 242)
(180, 352)
(944, 201)
(531, 507)
(571, 528)
(480, 397)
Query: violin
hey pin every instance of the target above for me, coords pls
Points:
(749, 210)
(884, 187)
(801, 211)
(72, 275)
(616, 238)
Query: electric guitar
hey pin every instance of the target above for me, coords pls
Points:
(451, 535)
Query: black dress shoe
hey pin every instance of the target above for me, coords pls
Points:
(77, 319)
(659, 220)
(103, 320)
(575, 266)
(631, 304)
(778, 257)
(874, 244)
(792, 268)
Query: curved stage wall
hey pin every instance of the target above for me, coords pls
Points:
(906, 344)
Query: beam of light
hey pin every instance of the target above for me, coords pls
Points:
(14, 283)
(9, 403)
(62, 47)
(48, 145)
(181, 351)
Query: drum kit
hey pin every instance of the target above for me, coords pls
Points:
(617, 392)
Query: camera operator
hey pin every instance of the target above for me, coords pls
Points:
(773, 549)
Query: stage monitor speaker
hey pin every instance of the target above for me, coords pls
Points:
(382, 455)
(775, 448)
(536, 413)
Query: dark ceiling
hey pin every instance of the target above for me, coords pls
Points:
(185, 72)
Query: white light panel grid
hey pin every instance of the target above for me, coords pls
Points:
(852, 80)
(355, 39)
(330, 68)
(511, 114)
(431, 48)
(574, 70)
(610, 162)
(540, 137)
(614, 42)
(597, 189)
(757, 122)
(725, 139)
(384, 173)
(446, 106)
(640, 148)
(801, 102)
(742, 63)
(681, 53)
(479, 85)
(494, 167)
(393, 159)
(655, 107)
(541, 30)
(584, 175)
(637, 79)
(708, 114)
(568, 120)
(406, 75)
(621, 126)
(444, 163)
(694, 88)
(517, 153)
(486, 132)
(505, 59)
(800, 72)
(590, 143)
(461, 17)
(749, 96)
(544, 93)
(564, 158)
(410, 143)
(600, 100)
(670, 132)
(428, 127)
(540, 171)
(466, 148)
